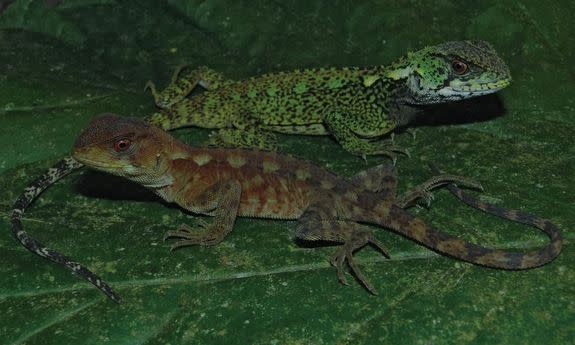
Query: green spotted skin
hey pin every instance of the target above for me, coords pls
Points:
(355, 105)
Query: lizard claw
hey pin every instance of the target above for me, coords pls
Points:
(412, 131)
(345, 254)
(337, 261)
(202, 235)
(150, 86)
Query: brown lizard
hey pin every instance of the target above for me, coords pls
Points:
(226, 183)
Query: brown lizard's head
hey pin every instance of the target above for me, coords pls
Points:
(127, 147)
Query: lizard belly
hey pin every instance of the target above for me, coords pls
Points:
(310, 129)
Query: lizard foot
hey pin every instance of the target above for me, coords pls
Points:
(386, 148)
(205, 235)
(345, 253)
(412, 131)
(421, 195)
(150, 86)
(179, 70)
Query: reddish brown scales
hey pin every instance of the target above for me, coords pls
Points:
(267, 190)
(226, 183)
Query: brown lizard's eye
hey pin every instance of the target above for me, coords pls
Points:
(122, 145)
(458, 66)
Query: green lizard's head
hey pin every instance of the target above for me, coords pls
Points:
(451, 71)
(126, 147)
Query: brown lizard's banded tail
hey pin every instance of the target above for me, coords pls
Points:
(416, 229)
(59, 170)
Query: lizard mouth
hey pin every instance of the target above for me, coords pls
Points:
(479, 88)
(96, 164)
(458, 90)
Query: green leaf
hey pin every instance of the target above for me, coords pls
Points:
(61, 65)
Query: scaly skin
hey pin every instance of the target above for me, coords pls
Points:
(356, 105)
(371, 178)
(226, 183)
(384, 87)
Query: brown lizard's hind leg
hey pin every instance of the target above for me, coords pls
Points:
(224, 198)
(422, 192)
(378, 179)
(181, 86)
(314, 227)
(358, 236)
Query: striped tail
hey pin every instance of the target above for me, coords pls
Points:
(416, 229)
(59, 170)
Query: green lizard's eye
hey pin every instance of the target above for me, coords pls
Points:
(458, 66)
(122, 145)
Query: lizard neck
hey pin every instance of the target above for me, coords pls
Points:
(392, 82)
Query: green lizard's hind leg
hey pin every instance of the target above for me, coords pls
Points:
(314, 226)
(347, 136)
(249, 137)
(177, 72)
(182, 85)
(224, 197)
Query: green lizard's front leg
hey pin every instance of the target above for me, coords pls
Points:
(181, 86)
(352, 131)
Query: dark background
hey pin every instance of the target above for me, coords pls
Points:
(62, 63)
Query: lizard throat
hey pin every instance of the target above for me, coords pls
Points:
(452, 91)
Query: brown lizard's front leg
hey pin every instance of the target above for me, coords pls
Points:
(223, 199)
(319, 223)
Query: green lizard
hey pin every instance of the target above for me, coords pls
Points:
(226, 183)
(356, 105)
